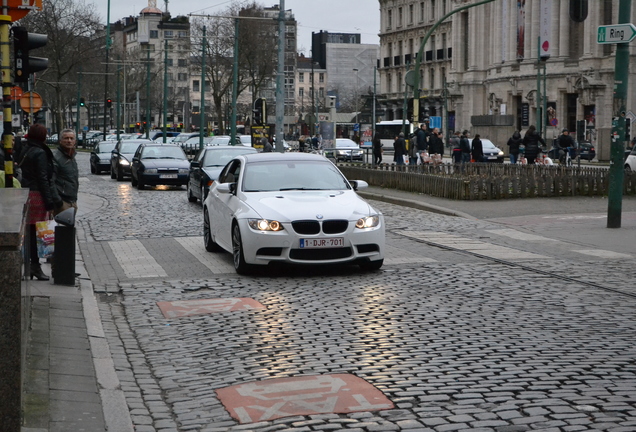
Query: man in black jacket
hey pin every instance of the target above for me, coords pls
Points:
(464, 146)
(566, 144)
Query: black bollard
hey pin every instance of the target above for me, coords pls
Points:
(64, 256)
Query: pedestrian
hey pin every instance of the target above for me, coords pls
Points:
(38, 175)
(267, 146)
(411, 146)
(435, 144)
(531, 142)
(301, 144)
(66, 171)
(464, 146)
(399, 149)
(456, 147)
(477, 151)
(422, 140)
(566, 144)
(513, 146)
(377, 150)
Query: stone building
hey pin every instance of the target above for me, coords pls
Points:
(494, 80)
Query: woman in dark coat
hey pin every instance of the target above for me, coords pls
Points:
(377, 150)
(531, 142)
(477, 152)
(513, 143)
(36, 162)
(399, 149)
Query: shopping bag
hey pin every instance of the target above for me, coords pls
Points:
(45, 235)
(425, 158)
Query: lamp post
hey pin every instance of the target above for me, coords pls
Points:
(356, 94)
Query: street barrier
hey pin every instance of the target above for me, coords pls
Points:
(483, 181)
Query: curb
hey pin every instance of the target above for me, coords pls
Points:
(415, 204)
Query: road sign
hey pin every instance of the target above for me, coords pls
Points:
(16, 93)
(617, 33)
(25, 102)
(20, 8)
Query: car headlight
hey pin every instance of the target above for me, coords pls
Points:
(368, 222)
(264, 225)
(151, 171)
(501, 153)
(123, 161)
(184, 170)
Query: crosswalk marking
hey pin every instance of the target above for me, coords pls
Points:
(217, 262)
(471, 245)
(394, 255)
(600, 253)
(518, 235)
(135, 260)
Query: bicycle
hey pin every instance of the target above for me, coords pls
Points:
(565, 159)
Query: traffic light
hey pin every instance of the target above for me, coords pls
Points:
(260, 112)
(23, 42)
(82, 102)
(109, 103)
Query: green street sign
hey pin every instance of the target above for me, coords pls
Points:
(617, 33)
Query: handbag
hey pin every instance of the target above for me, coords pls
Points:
(45, 236)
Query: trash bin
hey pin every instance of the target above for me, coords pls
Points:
(64, 252)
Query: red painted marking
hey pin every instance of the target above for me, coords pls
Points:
(306, 395)
(182, 308)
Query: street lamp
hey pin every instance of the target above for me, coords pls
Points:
(357, 96)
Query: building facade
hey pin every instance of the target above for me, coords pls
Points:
(501, 75)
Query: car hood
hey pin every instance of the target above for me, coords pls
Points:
(165, 163)
(127, 156)
(298, 205)
(212, 172)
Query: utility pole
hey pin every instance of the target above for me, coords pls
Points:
(202, 103)
(280, 79)
(165, 89)
(621, 77)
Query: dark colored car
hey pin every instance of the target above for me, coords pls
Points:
(121, 158)
(159, 164)
(492, 153)
(100, 156)
(586, 149)
(206, 166)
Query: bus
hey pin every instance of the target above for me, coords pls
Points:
(390, 129)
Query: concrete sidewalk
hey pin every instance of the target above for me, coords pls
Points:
(71, 383)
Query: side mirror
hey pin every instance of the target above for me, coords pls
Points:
(358, 184)
(195, 164)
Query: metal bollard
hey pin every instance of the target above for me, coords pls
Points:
(64, 252)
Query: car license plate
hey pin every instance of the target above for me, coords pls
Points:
(322, 243)
(168, 176)
(492, 157)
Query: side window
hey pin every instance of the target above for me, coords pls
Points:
(230, 172)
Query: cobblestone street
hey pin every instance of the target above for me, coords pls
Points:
(469, 326)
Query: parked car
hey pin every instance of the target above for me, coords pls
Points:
(158, 135)
(345, 150)
(587, 150)
(295, 208)
(100, 156)
(159, 164)
(121, 157)
(92, 138)
(630, 162)
(182, 138)
(192, 145)
(492, 153)
(53, 139)
(206, 166)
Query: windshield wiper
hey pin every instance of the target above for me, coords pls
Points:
(298, 188)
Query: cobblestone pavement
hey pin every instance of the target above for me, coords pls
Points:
(466, 326)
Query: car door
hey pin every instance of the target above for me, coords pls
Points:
(195, 175)
(136, 160)
(222, 205)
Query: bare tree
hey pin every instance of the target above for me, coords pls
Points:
(75, 40)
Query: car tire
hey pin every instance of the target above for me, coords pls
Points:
(93, 170)
(372, 265)
(112, 173)
(208, 242)
(191, 197)
(240, 265)
(628, 169)
(203, 194)
(120, 174)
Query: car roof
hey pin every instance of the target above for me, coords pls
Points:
(277, 156)
(225, 147)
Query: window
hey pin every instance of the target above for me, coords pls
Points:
(301, 77)
(183, 33)
(422, 9)
(195, 86)
(182, 62)
(168, 34)
(321, 92)
(389, 19)
(410, 14)
(154, 34)
(170, 75)
(301, 92)
(182, 76)
(432, 10)
(432, 79)
(400, 17)
(169, 62)
(578, 10)
(321, 77)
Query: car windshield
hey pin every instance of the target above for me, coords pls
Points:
(488, 145)
(162, 152)
(220, 157)
(292, 175)
(105, 147)
(181, 138)
(345, 143)
(129, 147)
(221, 140)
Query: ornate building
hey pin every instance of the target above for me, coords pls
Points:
(495, 80)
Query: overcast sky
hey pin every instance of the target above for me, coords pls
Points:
(336, 16)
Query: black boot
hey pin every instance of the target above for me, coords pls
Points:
(36, 271)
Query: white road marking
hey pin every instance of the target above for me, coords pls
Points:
(600, 253)
(135, 260)
(394, 255)
(217, 262)
(518, 235)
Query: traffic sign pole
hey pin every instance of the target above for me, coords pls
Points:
(616, 174)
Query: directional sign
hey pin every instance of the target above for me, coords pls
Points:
(618, 33)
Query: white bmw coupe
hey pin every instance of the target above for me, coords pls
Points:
(292, 208)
